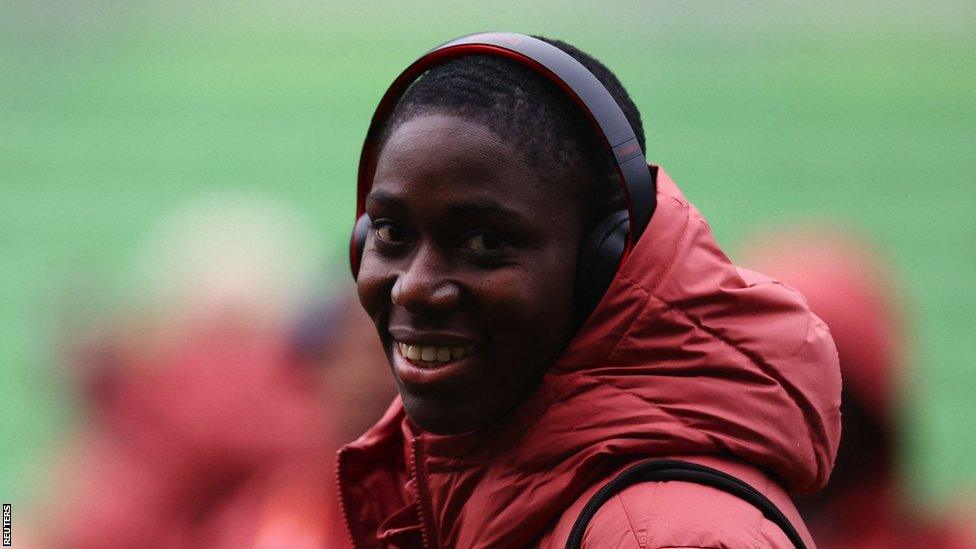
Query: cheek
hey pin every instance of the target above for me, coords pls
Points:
(373, 284)
(531, 310)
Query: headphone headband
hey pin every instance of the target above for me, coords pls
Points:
(557, 66)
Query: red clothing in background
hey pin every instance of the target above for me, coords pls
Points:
(214, 437)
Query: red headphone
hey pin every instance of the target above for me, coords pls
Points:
(610, 242)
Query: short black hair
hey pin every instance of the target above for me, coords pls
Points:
(531, 113)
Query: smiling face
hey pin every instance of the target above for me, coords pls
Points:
(468, 271)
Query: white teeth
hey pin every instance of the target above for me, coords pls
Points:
(428, 353)
(410, 351)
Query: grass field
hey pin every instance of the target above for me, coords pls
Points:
(114, 113)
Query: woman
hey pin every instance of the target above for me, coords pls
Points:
(516, 403)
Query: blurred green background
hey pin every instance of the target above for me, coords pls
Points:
(114, 113)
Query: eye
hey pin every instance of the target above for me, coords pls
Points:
(485, 242)
(389, 232)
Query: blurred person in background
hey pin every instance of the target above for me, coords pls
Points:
(214, 414)
(848, 284)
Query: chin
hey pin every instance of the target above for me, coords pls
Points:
(439, 419)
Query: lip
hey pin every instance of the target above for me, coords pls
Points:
(431, 375)
(411, 336)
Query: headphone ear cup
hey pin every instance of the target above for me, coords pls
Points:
(599, 257)
(357, 243)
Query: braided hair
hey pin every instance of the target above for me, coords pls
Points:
(533, 115)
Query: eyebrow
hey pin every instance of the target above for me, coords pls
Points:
(386, 199)
(484, 207)
(472, 208)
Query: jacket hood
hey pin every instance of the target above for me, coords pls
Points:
(852, 288)
(685, 354)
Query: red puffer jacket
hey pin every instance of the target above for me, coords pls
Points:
(687, 356)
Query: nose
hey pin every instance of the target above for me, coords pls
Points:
(425, 285)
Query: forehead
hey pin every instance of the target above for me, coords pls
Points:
(440, 156)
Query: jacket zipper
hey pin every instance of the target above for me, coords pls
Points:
(418, 471)
(342, 496)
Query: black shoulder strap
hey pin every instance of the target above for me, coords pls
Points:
(666, 469)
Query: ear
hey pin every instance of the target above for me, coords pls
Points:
(358, 243)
